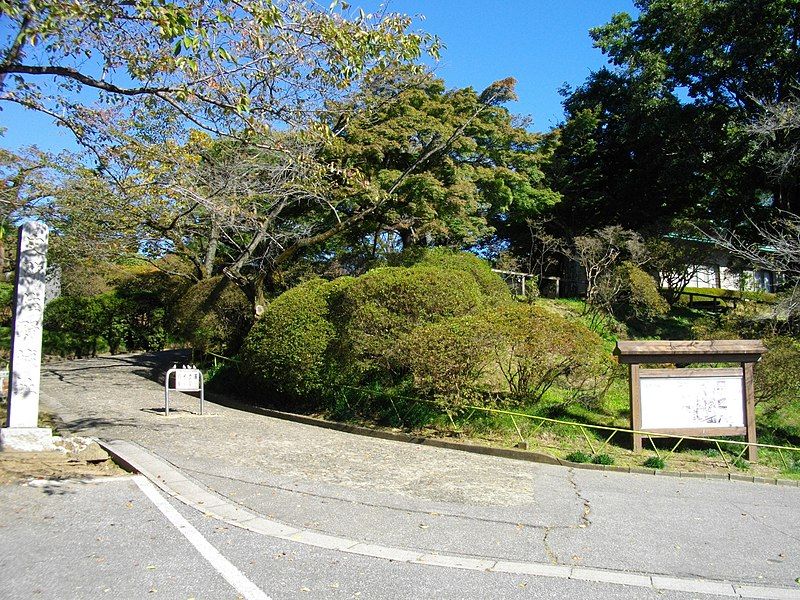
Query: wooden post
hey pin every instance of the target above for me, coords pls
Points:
(636, 406)
(750, 410)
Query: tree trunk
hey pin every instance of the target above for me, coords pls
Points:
(211, 250)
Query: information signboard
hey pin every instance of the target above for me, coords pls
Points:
(689, 402)
(186, 379)
(700, 398)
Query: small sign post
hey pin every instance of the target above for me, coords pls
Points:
(187, 379)
(698, 402)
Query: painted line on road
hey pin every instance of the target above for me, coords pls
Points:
(223, 566)
(171, 481)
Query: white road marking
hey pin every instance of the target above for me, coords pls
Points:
(223, 566)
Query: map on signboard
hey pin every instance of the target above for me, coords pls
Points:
(187, 380)
(692, 402)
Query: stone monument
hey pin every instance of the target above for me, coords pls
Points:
(22, 431)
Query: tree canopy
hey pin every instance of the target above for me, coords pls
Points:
(224, 66)
(667, 130)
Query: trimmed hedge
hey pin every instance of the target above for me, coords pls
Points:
(285, 352)
(434, 328)
(520, 349)
(374, 310)
(492, 287)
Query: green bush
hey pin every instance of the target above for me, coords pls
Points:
(132, 315)
(526, 348)
(428, 329)
(77, 324)
(6, 302)
(213, 315)
(540, 348)
(375, 310)
(655, 462)
(321, 333)
(777, 374)
(492, 287)
(446, 359)
(602, 459)
(146, 297)
(285, 352)
(638, 296)
(578, 457)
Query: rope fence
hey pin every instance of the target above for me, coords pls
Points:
(607, 432)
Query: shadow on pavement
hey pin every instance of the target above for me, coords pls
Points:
(150, 366)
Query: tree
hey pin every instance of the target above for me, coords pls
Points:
(600, 254)
(666, 131)
(227, 67)
(249, 210)
(676, 258)
(132, 81)
(448, 163)
(731, 55)
(631, 153)
(777, 249)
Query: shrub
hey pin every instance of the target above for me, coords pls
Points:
(285, 352)
(578, 457)
(530, 347)
(638, 296)
(655, 462)
(213, 315)
(76, 323)
(603, 459)
(6, 302)
(777, 376)
(446, 359)
(146, 296)
(540, 348)
(373, 312)
(492, 287)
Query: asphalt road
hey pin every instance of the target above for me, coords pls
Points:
(108, 540)
(378, 492)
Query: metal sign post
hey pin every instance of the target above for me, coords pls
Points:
(188, 378)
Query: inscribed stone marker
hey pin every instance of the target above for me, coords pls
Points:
(21, 431)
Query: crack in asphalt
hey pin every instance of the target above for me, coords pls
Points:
(757, 520)
(583, 521)
(551, 555)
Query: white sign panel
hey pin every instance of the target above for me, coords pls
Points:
(692, 402)
(187, 380)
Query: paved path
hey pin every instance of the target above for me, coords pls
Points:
(437, 501)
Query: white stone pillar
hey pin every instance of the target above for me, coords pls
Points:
(22, 431)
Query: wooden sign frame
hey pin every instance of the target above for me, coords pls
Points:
(681, 352)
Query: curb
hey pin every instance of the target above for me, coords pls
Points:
(170, 480)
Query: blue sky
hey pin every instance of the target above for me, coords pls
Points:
(541, 43)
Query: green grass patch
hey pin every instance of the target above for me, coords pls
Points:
(578, 457)
(603, 459)
(655, 462)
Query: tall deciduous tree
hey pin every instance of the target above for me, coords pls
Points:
(250, 209)
(228, 67)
